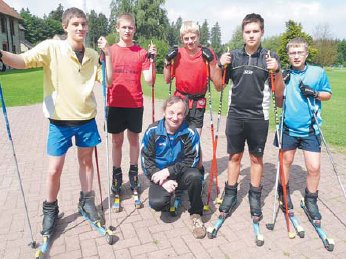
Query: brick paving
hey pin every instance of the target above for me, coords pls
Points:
(145, 233)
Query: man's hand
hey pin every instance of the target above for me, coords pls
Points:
(170, 185)
(307, 91)
(171, 54)
(160, 176)
(207, 54)
(152, 51)
(225, 59)
(272, 64)
(102, 44)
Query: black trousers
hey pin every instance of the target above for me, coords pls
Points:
(191, 180)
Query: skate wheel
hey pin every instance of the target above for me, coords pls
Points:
(301, 232)
(173, 212)
(110, 239)
(138, 205)
(218, 200)
(206, 207)
(259, 240)
(211, 232)
(329, 244)
(291, 235)
(270, 226)
(38, 254)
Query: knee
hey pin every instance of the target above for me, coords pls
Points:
(117, 141)
(134, 140)
(194, 176)
(158, 203)
(235, 158)
(313, 169)
(256, 160)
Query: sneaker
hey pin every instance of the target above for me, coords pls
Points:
(198, 229)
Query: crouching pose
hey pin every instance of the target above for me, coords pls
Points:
(169, 156)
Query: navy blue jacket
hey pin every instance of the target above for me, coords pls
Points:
(176, 152)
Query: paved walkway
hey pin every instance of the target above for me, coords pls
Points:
(145, 233)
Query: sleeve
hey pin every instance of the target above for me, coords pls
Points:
(148, 153)
(145, 60)
(191, 156)
(324, 85)
(38, 56)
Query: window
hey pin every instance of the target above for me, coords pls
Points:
(12, 27)
(3, 24)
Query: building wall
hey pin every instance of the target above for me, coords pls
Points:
(9, 34)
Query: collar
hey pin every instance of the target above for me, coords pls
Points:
(161, 130)
(255, 54)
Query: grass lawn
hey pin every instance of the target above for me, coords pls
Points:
(25, 87)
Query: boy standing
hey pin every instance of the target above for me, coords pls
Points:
(69, 103)
(305, 85)
(248, 115)
(125, 98)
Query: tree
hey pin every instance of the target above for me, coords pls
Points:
(341, 57)
(173, 35)
(215, 38)
(117, 7)
(294, 30)
(98, 26)
(326, 47)
(272, 43)
(151, 19)
(57, 13)
(204, 32)
(236, 41)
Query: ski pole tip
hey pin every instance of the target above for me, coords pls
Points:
(291, 235)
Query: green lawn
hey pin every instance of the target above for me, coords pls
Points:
(25, 87)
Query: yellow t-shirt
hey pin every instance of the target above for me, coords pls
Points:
(68, 85)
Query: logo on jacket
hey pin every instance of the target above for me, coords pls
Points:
(201, 102)
(248, 72)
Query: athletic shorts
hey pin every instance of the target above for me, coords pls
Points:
(60, 137)
(311, 143)
(195, 117)
(254, 132)
(120, 119)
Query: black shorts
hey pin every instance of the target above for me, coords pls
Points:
(120, 119)
(254, 132)
(195, 117)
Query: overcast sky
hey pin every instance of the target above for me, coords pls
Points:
(228, 13)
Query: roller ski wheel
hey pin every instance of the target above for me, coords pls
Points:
(46, 243)
(137, 200)
(259, 238)
(212, 231)
(296, 225)
(101, 229)
(327, 242)
(175, 203)
(116, 203)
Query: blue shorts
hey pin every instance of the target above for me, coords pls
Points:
(310, 143)
(60, 137)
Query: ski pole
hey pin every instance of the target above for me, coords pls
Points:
(282, 175)
(327, 147)
(33, 242)
(99, 178)
(151, 58)
(171, 77)
(213, 164)
(104, 87)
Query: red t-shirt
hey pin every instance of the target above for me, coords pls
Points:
(191, 72)
(128, 64)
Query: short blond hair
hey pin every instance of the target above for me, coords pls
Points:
(125, 16)
(189, 26)
(297, 42)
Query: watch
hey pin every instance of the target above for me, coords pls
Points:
(219, 64)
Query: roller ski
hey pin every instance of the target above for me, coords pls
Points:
(175, 203)
(309, 205)
(134, 185)
(50, 218)
(256, 212)
(298, 228)
(117, 181)
(226, 208)
(87, 209)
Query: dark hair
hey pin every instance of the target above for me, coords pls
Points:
(71, 13)
(172, 100)
(253, 17)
